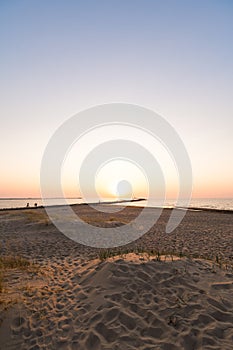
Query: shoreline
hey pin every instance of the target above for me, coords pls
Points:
(198, 209)
(74, 204)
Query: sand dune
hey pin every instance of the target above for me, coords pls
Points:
(120, 304)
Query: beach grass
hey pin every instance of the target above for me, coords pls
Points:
(37, 216)
(11, 262)
(144, 254)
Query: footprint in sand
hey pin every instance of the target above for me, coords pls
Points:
(129, 295)
(92, 341)
(116, 297)
(222, 286)
(111, 315)
(128, 321)
(18, 322)
(152, 332)
(107, 333)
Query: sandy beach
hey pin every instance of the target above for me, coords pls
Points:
(161, 292)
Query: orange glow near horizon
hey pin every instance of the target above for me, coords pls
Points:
(21, 187)
(25, 188)
(24, 191)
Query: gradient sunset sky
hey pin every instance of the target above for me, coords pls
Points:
(60, 57)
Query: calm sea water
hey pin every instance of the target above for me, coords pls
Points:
(22, 202)
(211, 203)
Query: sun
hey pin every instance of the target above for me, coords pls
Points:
(120, 179)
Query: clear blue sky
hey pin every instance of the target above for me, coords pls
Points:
(59, 57)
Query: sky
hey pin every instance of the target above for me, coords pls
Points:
(61, 57)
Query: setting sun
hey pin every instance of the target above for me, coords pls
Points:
(121, 179)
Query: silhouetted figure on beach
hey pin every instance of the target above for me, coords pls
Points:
(35, 205)
(27, 205)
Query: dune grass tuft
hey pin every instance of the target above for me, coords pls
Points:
(37, 216)
(14, 262)
(11, 262)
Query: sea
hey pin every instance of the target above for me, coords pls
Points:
(208, 203)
